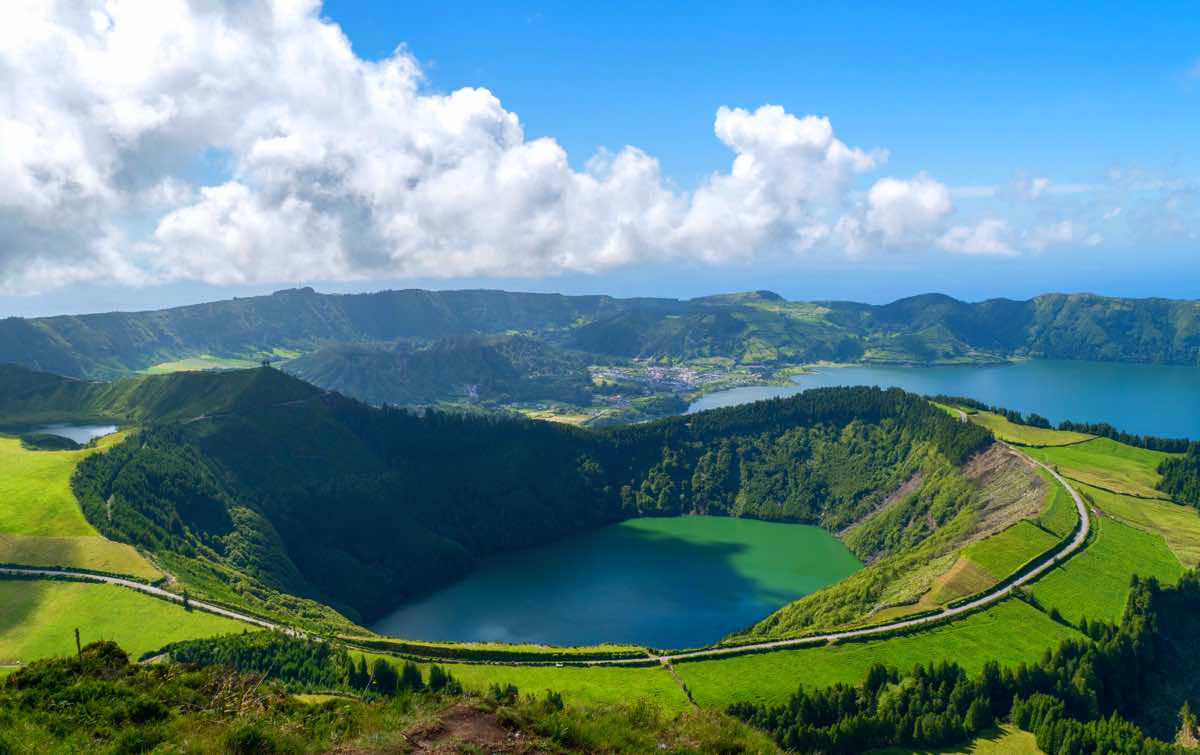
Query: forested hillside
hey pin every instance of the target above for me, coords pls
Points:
(753, 328)
(493, 368)
(317, 495)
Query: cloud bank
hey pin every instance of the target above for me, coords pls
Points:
(342, 168)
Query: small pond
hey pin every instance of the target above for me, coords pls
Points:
(81, 434)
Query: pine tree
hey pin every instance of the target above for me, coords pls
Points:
(410, 677)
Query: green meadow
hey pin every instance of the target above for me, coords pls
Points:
(1059, 514)
(35, 489)
(1107, 464)
(39, 618)
(1095, 582)
(1025, 435)
(971, 641)
(1006, 551)
(202, 362)
(1178, 524)
(41, 523)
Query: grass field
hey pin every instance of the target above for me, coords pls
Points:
(1007, 740)
(1095, 582)
(1107, 464)
(1024, 434)
(964, 578)
(1179, 525)
(1059, 514)
(1005, 552)
(35, 489)
(38, 619)
(41, 523)
(202, 362)
(84, 552)
(581, 685)
(1009, 632)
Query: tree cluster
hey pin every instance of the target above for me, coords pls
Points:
(1077, 700)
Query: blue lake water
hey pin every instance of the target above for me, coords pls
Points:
(1149, 399)
(81, 434)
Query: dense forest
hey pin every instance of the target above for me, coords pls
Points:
(487, 369)
(1181, 476)
(1086, 697)
(751, 328)
(320, 496)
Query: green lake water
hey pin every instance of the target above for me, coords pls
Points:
(664, 582)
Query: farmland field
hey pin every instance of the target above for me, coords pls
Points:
(1005, 552)
(1095, 582)
(1107, 464)
(1006, 740)
(971, 641)
(1178, 524)
(1059, 514)
(1024, 434)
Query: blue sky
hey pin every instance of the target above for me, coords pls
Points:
(1059, 144)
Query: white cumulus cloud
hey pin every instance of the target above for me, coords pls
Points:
(342, 168)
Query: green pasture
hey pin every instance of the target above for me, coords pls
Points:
(1107, 464)
(39, 618)
(1006, 551)
(1025, 435)
(1179, 525)
(1095, 582)
(1009, 632)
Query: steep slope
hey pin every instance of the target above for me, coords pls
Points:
(482, 368)
(30, 397)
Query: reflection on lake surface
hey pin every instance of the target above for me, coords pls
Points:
(81, 434)
(1150, 399)
(672, 582)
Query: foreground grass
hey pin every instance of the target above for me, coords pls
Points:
(1003, 553)
(1107, 464)
(1179, 525)
(1095, 582)
(582, 685)
(1010, 632)
(1024, 434)
(102, 703)
(38, 619)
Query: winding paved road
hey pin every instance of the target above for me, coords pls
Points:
(988, 598)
